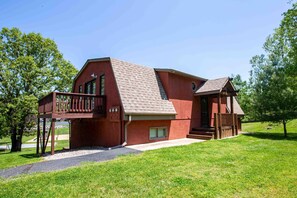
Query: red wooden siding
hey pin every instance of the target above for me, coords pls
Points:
(97, 132)
(179, 91)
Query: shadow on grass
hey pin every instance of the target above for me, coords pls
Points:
(30, 155)
(27, 155)
(273, 136)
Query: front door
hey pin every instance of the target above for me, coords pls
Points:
(204, 112)
(90, 88)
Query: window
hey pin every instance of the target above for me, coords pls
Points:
(158, 132)
(194, 86)
(102, 84)
(80, 89)
(90, 87)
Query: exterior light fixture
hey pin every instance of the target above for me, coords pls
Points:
(93, 75)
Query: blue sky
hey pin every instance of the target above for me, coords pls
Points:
(206, 38)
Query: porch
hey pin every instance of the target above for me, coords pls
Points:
(65, 106)
(218, 126)
(218, 116)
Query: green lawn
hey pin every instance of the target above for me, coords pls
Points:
(270, 127)
(260, 164)
(28, 155)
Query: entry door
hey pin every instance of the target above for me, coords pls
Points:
(90, 88)
(204, 112)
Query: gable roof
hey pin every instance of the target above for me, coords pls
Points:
(140, 89)
(236, 106)
(212, 86)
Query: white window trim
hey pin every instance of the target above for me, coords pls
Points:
(160, 127)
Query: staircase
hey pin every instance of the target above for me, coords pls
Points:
(201, 133)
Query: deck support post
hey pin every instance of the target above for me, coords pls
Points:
(232, 112)
(38, 136)
(236, 124)
(219, 117)
(53, 137)
(43, 135)
(216, 126)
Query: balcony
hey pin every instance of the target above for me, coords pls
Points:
(71, 105)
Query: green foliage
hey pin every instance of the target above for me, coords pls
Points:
(253, 165)
(274, 78)
(30, 67)
(288, 36)
(268, 127)
(243, 97)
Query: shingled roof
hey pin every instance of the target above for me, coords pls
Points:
(140, 89)
(236, 106)
(212, 86)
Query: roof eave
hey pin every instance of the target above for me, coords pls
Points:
(207, 93)
(179, 73)
(89, 61)
(150, 113)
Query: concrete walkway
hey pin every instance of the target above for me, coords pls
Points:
(70, 159)
(164, 144)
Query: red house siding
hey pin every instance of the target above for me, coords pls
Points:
(109, 132)
(138, 131)
(213, 108)
(97, 132)
(179, 91)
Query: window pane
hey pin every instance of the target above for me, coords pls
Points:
(88, 88)
(161, 132)
(153, 132)
(102, 84)
(94, 87)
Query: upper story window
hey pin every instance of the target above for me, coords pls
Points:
(80, 89)
(102, 84)
(90, 87)
(194, 86)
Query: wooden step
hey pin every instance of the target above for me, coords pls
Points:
(201, 137)
(210, 129)
(202, 133)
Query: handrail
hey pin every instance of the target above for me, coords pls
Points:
(62, 103)
(225, 125)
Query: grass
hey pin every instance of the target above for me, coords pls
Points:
(270, 127)
(260, 164)
(27, 155)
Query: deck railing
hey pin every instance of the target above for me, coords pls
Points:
(62, 103)
(226, 125)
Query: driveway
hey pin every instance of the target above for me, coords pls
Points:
(70, 159)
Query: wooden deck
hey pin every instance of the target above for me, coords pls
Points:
(71, 105)
(68, 106)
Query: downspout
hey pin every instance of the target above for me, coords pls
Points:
(126, 129)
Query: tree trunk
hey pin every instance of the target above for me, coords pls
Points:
(16, 142)
(285, 128)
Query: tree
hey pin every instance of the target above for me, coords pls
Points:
(274, 75)
(243, 96)
(30, 67)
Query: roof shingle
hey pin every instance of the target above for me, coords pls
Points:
(140, 89)
(236, 106)
(212, 86)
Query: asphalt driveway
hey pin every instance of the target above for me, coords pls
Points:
(60, 164)
(69, 159)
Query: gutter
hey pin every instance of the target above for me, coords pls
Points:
(126, 129)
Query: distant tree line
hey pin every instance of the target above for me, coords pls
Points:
(271, 92)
